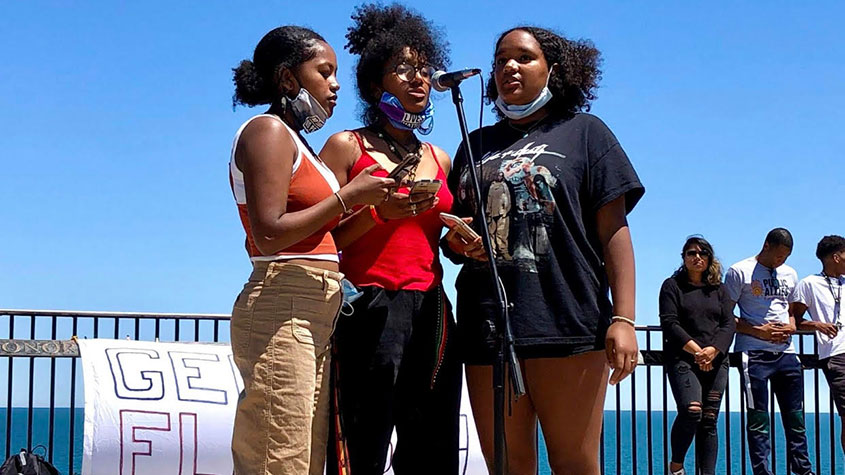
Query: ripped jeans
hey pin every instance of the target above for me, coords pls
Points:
(785, 372)
(698, 395)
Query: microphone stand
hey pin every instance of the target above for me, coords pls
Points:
(501, 329)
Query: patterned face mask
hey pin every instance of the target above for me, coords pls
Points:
(404, 120)
(309, 114)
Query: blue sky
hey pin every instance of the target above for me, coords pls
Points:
(117, 121)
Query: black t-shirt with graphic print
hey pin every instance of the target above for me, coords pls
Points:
(541, 193)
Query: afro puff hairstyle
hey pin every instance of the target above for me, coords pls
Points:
(283, 47)
(377, 35)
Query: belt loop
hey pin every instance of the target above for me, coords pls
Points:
(325, 281)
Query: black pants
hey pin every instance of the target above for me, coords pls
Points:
(834, 371)
(395, 366)
(691, 385)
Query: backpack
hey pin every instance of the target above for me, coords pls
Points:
(27, 463)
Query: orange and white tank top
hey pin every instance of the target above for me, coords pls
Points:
(311, 182)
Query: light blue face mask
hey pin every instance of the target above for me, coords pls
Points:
(422, 122)
(522, 111)
(350, 295)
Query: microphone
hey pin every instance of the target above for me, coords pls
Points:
(443, 81)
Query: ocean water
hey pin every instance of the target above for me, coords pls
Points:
(62, 437)
(622, 463)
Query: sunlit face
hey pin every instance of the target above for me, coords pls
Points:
(777, 255)
(408, 77)
(319, 76)
(521, 69)
(696, 259)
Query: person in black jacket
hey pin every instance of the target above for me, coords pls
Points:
(698, 324)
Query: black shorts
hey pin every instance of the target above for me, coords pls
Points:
(834, 371)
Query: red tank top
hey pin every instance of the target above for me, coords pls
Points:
(401, 253)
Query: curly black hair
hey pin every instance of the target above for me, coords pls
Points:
(377, 35)
(829, 245)
(283, 47)
(573, 82)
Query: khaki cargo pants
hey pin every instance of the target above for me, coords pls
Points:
(281, 325)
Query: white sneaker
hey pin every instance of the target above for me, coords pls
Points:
(680, 471)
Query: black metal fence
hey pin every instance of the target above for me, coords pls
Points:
(45, 410)
(639, 450)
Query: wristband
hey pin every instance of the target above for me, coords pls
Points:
(374, 213)
(619, 318)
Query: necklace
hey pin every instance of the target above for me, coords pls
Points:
(394, 147)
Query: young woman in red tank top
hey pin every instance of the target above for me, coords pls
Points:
(288, 202)
(394, 362)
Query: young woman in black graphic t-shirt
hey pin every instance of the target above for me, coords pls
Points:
(562, 244)
(698, 323)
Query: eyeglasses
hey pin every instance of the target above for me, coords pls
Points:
(693, 253)
(407, 72)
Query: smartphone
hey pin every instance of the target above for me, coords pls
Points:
(422, 189)
(461, 227)
(403, 168)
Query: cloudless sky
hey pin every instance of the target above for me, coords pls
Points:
(116, 124)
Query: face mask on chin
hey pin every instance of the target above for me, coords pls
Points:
(307, 112)
(515, 112)
(398, 117)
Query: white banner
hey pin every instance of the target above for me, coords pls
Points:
(158, 408)
(167, 408)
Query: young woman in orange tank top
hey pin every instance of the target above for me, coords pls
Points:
(288, 202)
(395, 366)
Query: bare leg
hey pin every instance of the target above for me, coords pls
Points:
(520, 423)
(568, 395)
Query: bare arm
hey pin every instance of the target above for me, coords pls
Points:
(615, 237)
(743, 326)
(340, 152)
(692, 347)
(796, 311)
(776, 333)
(619, 256)
(265, 155)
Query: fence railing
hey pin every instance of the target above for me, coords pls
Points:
(649, 387)
(46, 410)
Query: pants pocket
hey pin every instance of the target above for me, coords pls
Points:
(313, 321)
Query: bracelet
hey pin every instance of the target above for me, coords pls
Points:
(374, 213)
(345, 209)
(619, 318)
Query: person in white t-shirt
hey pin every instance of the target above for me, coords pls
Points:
(821, 295)
(761, 286)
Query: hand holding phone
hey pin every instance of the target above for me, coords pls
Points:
(422, 190)
(404, 168)
(459, 226)
(462, 238)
